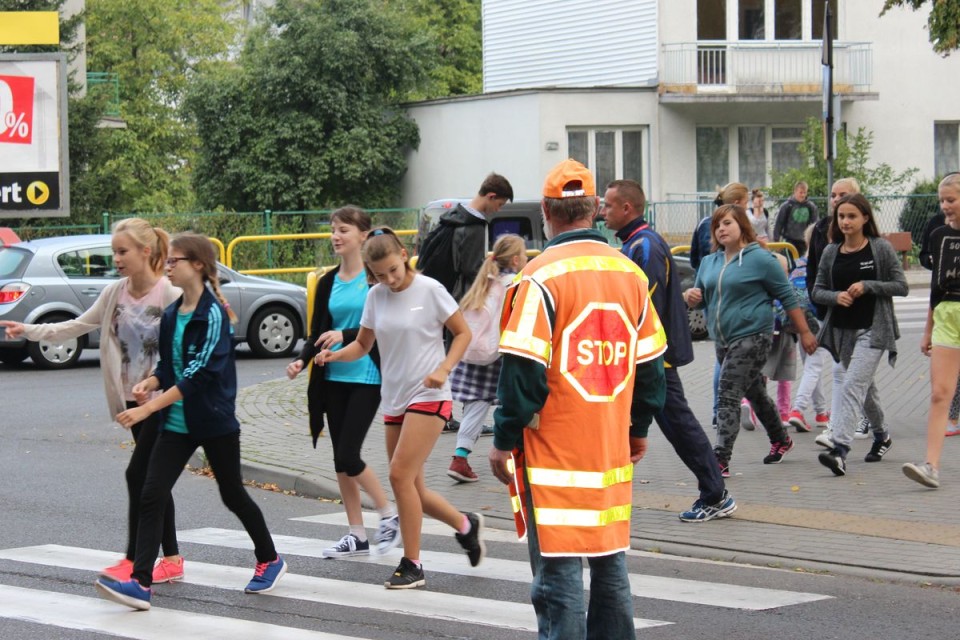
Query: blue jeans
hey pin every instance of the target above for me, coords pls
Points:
(558, 598)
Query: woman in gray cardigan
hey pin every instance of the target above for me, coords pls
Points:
(857, 278)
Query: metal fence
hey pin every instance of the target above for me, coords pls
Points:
(675, 220)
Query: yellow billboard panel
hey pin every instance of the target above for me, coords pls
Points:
(29, 27)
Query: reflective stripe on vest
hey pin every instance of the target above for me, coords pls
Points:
(523, 338)
(579, 479)
(581, 517)
(586, 263)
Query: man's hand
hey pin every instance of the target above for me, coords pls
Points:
(638, 449)
(499, 465)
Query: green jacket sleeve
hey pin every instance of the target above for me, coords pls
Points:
(649, 395)
(522, 392)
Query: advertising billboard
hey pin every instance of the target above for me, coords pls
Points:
(34, 169)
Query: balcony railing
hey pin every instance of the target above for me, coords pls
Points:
(781, 68)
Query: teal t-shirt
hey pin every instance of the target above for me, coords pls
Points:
(346, 308)
(175, 419)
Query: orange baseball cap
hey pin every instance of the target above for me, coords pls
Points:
(569, 179)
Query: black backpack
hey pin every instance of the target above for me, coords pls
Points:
(436, 256)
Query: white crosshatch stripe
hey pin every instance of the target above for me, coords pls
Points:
(68, 611)
(420, 603)
(642, 586)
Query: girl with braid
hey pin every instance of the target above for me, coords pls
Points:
(198, 377)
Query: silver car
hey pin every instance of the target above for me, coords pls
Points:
(56, 279)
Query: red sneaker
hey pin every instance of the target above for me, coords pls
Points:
(121, 572)
(168, 571)
(460, 470)
(822, 420)
(796, 419)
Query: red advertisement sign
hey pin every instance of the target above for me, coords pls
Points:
(16, 109)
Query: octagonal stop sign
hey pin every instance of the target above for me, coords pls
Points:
(598, 351)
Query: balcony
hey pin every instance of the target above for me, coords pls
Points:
(719, 71)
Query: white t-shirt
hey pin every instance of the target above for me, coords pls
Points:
(409, 330)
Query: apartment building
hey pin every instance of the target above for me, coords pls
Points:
(683, 95)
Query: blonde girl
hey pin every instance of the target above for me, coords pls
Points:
(941, 337)
(405, 313)
(127, 313)
(198, 377)
(474, 381)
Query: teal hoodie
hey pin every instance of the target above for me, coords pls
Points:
(738, 294)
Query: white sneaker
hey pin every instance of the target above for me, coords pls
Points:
(924, 473)
(825, 439)
(388, 534)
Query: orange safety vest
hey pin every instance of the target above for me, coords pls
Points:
(575, 309)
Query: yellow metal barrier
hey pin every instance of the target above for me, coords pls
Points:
(287, 236)
(219, 245)
(772, 246)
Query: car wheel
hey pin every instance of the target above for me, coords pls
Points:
(13, 356)
(273, 332)
(55, 355)
(698, 324)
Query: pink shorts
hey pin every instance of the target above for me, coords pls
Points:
(443, 409)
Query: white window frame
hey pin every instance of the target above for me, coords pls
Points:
(769, 22)
(591, 132)
(733, 146)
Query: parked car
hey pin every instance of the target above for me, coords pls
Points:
(56, 279)
(523, 218)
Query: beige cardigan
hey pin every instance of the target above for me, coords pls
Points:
(99, 316)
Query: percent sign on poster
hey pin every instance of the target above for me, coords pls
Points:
(16, 109)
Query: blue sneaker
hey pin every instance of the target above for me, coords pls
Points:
(129, 593)
(266, 575)
(700, 512)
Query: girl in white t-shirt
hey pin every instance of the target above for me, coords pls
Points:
(406, 313)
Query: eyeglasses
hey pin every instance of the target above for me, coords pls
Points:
(172, 262)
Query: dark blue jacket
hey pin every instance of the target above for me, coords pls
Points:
(209, 382)
(651, 253)
(700, 244)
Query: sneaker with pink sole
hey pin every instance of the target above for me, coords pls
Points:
(119, 572)
(168, 571)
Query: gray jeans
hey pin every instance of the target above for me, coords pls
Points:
(740, 365)
(855, 394)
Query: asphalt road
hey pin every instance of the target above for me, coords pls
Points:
(63, 485)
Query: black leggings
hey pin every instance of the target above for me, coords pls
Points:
(145, 436)
(170, 455)
(350, 409)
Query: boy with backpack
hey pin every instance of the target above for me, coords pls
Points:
(453, 251)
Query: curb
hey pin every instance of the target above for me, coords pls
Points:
(322, 489)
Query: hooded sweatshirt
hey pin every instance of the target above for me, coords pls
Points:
(738, 294)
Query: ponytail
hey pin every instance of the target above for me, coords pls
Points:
(505, 249)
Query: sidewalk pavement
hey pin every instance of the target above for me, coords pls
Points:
(872, 522)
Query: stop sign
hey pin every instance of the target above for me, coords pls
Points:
(598, 351)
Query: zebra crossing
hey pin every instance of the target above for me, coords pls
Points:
(911, 312)
(87, 613)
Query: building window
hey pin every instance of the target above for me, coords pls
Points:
(816, 9)
(752, 154)
(785, 148)
(713, 158)
(745, 154)
(612, 154)
(946, 147)
(788, 23)
(751, 20)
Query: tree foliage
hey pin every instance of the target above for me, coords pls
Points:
(455, 27)
(155, 47)
(307, 117)
(943, 23)
(852, 161)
